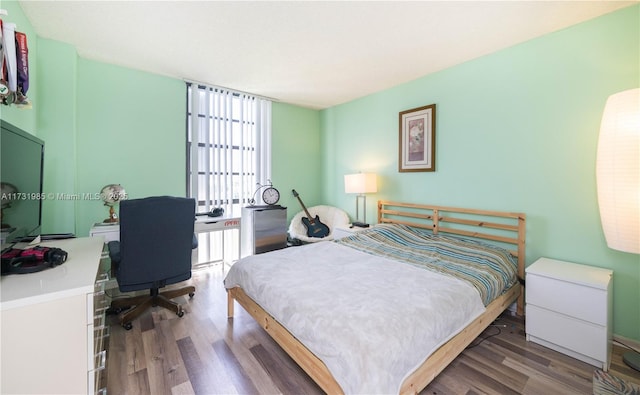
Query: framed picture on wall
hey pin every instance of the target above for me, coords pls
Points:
(417, 151)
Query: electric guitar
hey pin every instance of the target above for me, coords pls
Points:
(315, 228)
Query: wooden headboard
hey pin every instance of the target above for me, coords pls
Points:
(504, 228)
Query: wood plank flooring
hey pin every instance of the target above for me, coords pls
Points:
(204, 353)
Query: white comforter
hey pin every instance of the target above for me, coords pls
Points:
(371, 320)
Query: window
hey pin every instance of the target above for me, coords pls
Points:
(228, 149)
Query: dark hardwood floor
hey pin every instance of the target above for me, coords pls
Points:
(204, 353)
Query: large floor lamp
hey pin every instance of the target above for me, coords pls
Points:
(618, 178)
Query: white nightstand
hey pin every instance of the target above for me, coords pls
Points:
(569, 309)
(343, 231)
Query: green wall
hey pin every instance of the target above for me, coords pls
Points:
(56, 120)
(516, 130)
(131, 131)
(297, 161)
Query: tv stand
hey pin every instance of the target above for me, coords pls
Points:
(53, 324)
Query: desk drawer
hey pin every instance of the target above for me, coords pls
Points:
(97, 333)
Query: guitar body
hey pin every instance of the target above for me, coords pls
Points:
(315, 228)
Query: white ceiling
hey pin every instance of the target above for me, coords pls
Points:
(312, 54)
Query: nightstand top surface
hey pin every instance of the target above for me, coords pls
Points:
(571, 272)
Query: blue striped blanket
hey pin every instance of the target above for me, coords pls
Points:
(490, 269)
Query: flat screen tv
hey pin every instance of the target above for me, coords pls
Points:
(22, 162)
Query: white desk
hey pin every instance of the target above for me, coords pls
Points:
(52, 334)
(230, 221)
(203, 224)
(110, 232)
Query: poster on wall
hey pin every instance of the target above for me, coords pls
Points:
(417, 145)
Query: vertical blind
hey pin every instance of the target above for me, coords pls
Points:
(228, 146)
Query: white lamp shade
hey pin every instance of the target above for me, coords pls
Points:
(618, 171)
(360, 183)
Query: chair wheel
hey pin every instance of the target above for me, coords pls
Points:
(180, 313)
(127, 326)
(191, 294)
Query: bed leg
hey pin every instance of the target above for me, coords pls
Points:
(229, 305)
(520, 303)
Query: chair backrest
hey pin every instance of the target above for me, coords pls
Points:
(156, 238)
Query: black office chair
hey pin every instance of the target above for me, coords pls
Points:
(156, 241)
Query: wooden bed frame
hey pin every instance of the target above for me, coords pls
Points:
(504, 228)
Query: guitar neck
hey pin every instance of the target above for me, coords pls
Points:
(304, 208)
(302, 204)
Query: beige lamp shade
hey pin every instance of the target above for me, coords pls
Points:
(360, 183)
(618, 171)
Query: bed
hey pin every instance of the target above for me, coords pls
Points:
(386, 309)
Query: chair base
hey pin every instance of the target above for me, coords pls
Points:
(139, 304)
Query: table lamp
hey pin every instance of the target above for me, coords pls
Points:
(361, 184)
(618, 178)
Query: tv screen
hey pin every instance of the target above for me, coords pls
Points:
(21, 182)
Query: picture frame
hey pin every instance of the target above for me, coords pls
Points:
(417, 144)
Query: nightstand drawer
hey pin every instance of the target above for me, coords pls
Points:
(585, 303)
(567, 332)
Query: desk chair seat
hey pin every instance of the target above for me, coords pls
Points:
(156, 241)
